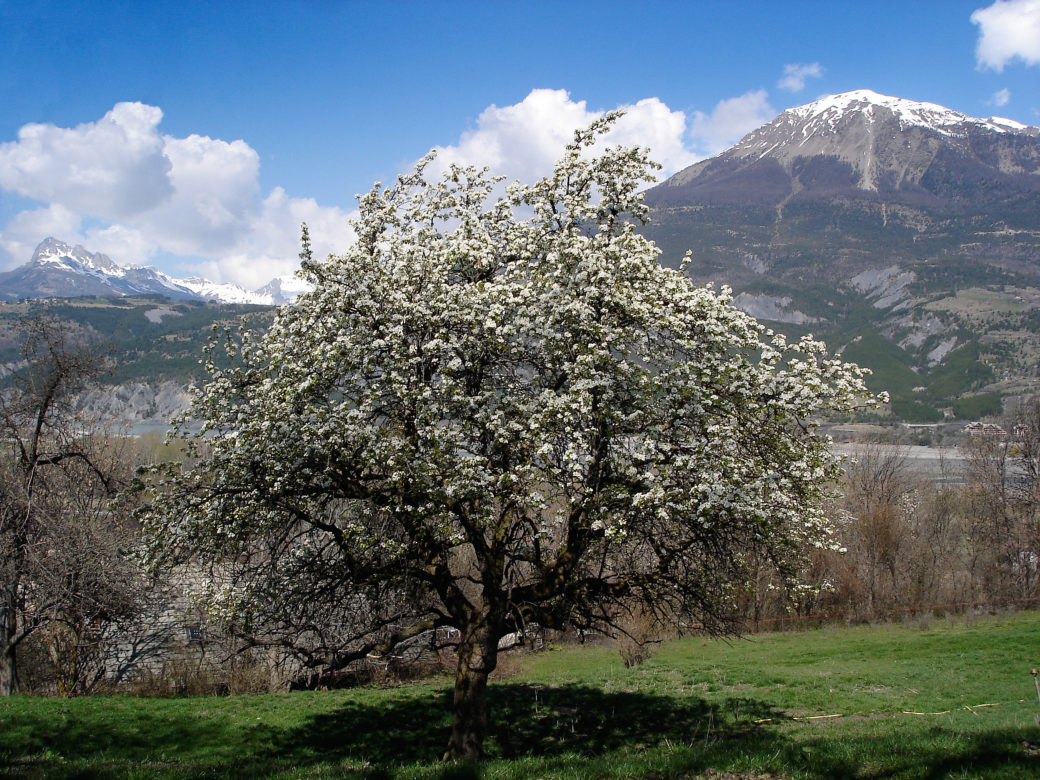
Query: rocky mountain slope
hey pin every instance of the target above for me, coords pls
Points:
(905, 233)
(869, 147)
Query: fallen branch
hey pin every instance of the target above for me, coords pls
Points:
(969, 707)
(944, 712)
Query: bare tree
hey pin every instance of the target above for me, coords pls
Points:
(60, 565)
(1004, 492)
(877, 486)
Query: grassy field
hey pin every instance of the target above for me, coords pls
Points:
(932, 699)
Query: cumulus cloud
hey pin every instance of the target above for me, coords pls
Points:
(730, 120)
(124, 244)
(1008, 30)
(21, 235)
(795, 75)
(121, 187)
(114, 168)
(1001, 97)
(215, 187)
(523, 140)
(274, 235)
(652, 124)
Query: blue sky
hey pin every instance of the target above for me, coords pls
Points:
(197, 135)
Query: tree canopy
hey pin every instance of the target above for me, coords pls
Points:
(497, 409)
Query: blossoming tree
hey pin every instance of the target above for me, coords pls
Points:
(499, 410)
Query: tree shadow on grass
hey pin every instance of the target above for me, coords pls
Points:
(939, 753)
(576, 726)
(527, 721)
(544, 729)
(534, 720)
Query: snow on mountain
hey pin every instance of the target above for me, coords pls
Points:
(225, 293)
(54, 252)
(860, 128)
(831, 110)
(855, 126)
(888, 143)
(284, 289)
(60, 270)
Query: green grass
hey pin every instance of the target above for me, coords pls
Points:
(829, 703)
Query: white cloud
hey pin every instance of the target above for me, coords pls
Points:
(274, 235)
(1001, 97)
(114, 168)
(121, 187)
(652, 124)
(1008, 30)
(730, 120)
(124, 244)
(21, 235)
(795, 75)
(523, 140)
(215, 186)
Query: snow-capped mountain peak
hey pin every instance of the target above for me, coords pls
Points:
(225, 293)
(60, 270)
(888, 141)
(862, 142)
(51, 251)
(831, 110)
(285, 288)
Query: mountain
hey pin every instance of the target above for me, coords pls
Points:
(58, 270)
(869, 147)
(905, 233)
(283, 289)
(840, 173)
(153, 347)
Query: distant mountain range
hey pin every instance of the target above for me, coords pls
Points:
(906, 234)
(58, 270)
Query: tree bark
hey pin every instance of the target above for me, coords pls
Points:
(8, 672)
(478, 656)
(8, 644)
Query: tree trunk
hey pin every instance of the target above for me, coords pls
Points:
(8, 672)
(478, 656)
(8, 647)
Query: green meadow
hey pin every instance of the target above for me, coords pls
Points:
(931, 698)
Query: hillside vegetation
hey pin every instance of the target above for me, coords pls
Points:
(146, 339)
(152, 340)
